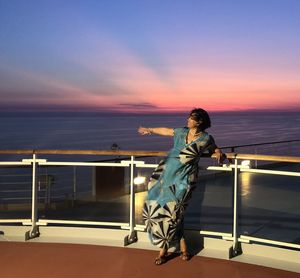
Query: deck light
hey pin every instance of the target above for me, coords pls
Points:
(139, 180)
(246, 163)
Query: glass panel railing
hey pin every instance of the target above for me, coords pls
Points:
(210, 208)
(15, 192)
(86, 192)
(270, 205)
(98, 194)
(141, 190)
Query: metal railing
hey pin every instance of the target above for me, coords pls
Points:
(234, 147)
(236, 167)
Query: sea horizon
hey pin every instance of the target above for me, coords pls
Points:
(99, 131)
(83, 113)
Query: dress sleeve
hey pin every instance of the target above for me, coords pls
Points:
(211, 145)
(177, 131)
(179, 135)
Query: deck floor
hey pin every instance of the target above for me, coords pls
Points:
(29, 259)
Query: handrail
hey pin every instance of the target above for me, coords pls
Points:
(259, 144)
(86, 152)
(295, 159)
(121, 152)
(17, 152)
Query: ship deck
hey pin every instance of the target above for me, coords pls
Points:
(89, 252)
(19, 259)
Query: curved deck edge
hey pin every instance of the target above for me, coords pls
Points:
(277, 258)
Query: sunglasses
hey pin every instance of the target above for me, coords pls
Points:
(195, 117)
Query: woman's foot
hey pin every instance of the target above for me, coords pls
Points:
(162, 258)
(185, 256)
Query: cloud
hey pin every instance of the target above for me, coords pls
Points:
(141, 105)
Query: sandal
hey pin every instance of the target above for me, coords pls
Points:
(185, 256)
(160, 260)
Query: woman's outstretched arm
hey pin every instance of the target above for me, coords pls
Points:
(165, 131)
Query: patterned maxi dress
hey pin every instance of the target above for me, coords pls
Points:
(171, 187)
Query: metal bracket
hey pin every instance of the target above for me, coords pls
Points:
(33, 233)
(36, 160)
(132, 238)
(129, 162)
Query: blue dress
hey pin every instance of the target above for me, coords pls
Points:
(171, 187)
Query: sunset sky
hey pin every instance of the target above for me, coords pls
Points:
(149, 55)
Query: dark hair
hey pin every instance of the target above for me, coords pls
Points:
(200, 115)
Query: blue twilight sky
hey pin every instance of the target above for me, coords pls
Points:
(149, 55)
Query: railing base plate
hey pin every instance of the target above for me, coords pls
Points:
(32, 233)
(131, 238)
(235, 251)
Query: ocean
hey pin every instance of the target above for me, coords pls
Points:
(99, 132)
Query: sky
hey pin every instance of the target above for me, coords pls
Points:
(149, 56)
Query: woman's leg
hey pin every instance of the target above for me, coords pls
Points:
(183, 247)
(183, 250)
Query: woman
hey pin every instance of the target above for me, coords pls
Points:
(172, 182)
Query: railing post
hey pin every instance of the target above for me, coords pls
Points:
(255, 151)
(132, 237)
(235, 250)
(46, 201)
(34, 232)
(74, 184)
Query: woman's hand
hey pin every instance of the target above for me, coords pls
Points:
(219, 156)
(144, 130)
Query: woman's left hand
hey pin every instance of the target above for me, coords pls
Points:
(219, 156)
